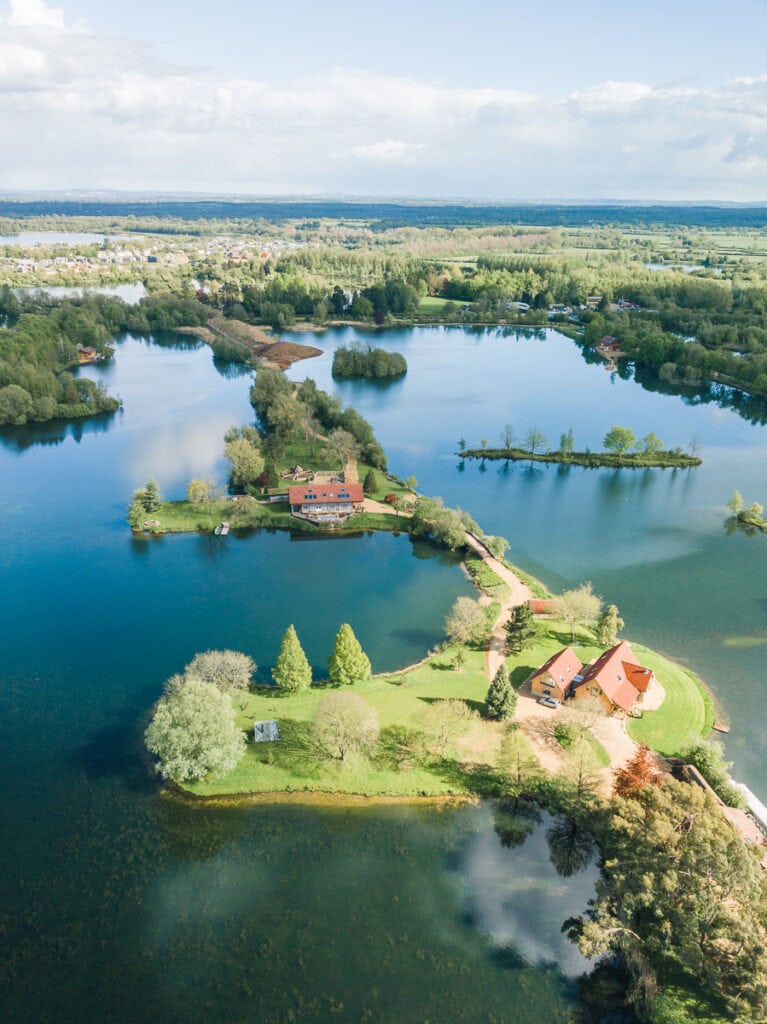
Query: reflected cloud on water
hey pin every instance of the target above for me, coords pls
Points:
(523, 878)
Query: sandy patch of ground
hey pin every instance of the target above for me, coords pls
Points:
(654, 697)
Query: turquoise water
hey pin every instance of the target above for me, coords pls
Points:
(118, 905)
(652, 541)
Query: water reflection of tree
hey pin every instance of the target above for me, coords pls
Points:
(571, 848)
(515, 820)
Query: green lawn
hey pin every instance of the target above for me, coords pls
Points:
(290, 764)
(431, 304)
(686, 714)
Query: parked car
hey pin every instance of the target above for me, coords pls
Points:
(549, 702)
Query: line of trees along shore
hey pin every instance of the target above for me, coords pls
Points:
(43, 336)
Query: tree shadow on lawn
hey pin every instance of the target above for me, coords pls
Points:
(519, 674)
(296, 750)
(474, 705)
(480, 779)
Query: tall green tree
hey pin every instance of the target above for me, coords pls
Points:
(609, 625)
(292, 671)
(348, 663)
(152, 497)
(501, 700)
(520, 629)
(620, 440)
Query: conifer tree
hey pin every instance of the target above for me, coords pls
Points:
(370, 483)
(292, 671)
(520, 628)
(348, 663)
(152, 497)
(501, 699)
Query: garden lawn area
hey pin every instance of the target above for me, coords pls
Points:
(183, 516)
(291, 764)
(434, 304)
(686, 714)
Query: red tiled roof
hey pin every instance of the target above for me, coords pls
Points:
(617, 672)
(562, 666)
(315, 494)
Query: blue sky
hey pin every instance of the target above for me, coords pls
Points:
(491, 100)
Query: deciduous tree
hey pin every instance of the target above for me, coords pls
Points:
(226, 670)
(620, 440)
(609, 625)
(193, 733)
(578, 607)
(444, 721)
(465, 622)
(345, 725)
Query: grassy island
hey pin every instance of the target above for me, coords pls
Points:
(631, 460)
(622, 449)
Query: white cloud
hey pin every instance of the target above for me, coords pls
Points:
(35, 12)
(390, 151)
(79, 110)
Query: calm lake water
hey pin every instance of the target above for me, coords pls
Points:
(127, 292)
(36, 238)
(652, 541)
(122, 906)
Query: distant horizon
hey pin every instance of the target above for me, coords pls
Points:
(339, 198)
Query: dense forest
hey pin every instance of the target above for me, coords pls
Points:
(393, 213)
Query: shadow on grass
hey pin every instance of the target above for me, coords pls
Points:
(295, 751)
(474, 705)
(480, 779)
(520, 674)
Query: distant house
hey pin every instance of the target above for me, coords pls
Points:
(325, 503)
(609, 344)
(87, 354)
(555, 678)
(593, 302)
(616, 678)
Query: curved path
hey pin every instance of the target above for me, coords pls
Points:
(519, 592)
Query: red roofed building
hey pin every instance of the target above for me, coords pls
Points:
(322, 503)
(616, 678)
(542, 606)
(554, 679)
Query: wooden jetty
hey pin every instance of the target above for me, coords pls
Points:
(720, 727)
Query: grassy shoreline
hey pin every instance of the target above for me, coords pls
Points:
(635, 460)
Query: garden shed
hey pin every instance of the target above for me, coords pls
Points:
(265, 732)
